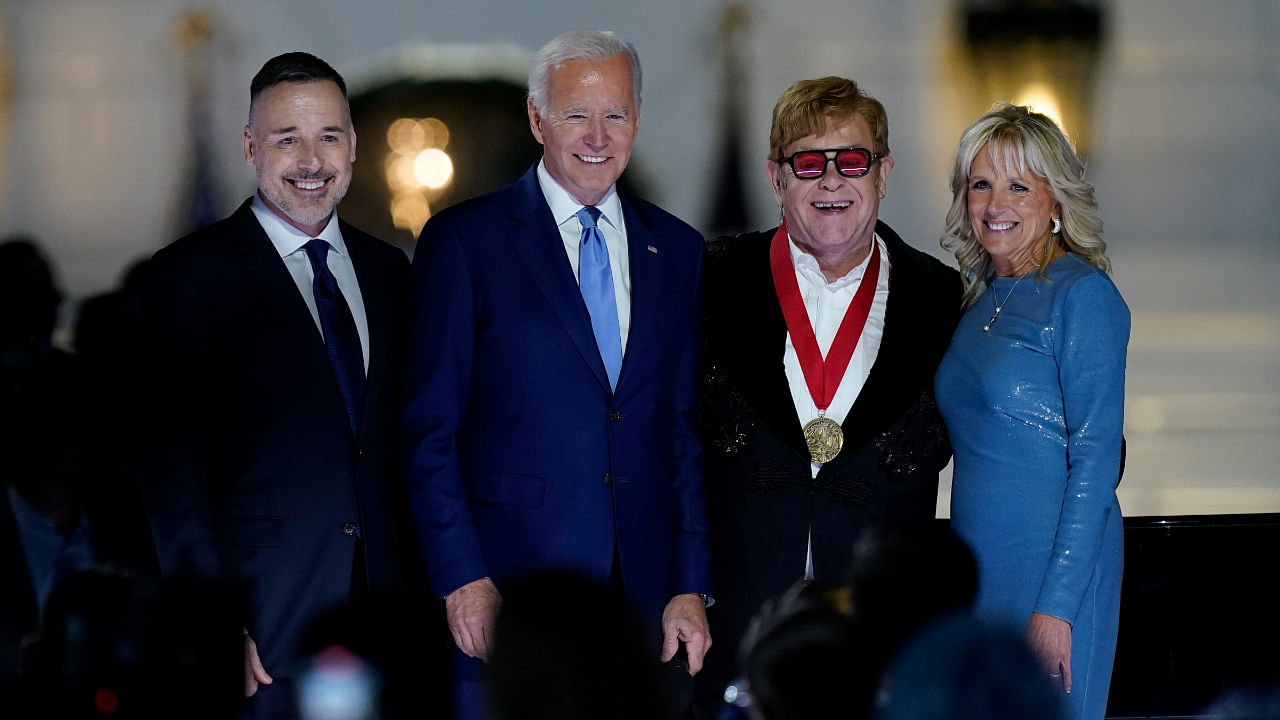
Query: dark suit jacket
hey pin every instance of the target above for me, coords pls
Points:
(248, 466)
(520, 456)
(762, 497)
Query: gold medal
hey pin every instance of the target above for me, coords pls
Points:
(824, 438)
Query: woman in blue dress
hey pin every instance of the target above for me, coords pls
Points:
(1032, 392)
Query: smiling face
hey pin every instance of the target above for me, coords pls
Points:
(1010, 213)
(832, 217)
(589, 125)
(300, 141)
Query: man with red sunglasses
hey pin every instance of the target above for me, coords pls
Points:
(821, 341)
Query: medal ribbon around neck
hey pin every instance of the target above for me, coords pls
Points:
(823, 376)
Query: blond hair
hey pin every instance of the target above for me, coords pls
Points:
(808, 106)
(1022, 140)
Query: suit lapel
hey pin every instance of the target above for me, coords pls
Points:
(887, 393)
(644, 252)
(378, 317)
(758, 338)
(281, 305)
(537, 241)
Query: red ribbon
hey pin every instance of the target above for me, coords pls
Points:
(822, 377)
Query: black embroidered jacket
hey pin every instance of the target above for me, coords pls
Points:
(763, 500)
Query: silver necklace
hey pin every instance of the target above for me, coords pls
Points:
(1000, 306)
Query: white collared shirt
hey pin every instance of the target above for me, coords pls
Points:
(826, 303)
(564, 209)
(289, 241)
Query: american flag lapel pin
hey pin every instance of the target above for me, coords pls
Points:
(653, 250)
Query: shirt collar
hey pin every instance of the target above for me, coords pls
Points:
(808, 264)
(564, 207)
(288, 239)
(34, 523)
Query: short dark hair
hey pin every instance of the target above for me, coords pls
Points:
(294, 67)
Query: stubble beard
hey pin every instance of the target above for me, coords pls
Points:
(301, 210)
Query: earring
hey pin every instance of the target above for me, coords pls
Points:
(781, 213)
(1056, 227)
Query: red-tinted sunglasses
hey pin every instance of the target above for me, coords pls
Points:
(850, 162)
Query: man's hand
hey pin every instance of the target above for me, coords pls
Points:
(254, 673)
(472, 611)
(685, 619)
(1050, 639)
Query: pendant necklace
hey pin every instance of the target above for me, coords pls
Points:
(1000, 306)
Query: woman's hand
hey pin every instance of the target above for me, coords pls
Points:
(1050, 639)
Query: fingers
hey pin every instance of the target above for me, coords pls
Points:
(254, 673)
(685, 619)
(670, 640)
(471, 633)
(472, 612)
(1050, 638)
(696, 645)
(462, 639)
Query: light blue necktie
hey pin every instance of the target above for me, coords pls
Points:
(595, 279)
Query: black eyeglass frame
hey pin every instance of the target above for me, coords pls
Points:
(831, 154)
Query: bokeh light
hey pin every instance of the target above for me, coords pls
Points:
(436, 133)
(410, 211)
(1042, 99)
(433, 168)
(400, 173)
(406, 136)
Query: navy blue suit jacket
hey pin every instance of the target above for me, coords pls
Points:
(248, 466)
(520, 457)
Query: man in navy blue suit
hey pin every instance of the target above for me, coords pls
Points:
(274, 344)
(550, 380)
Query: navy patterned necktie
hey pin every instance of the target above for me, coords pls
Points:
(595, 280)
(341, 339)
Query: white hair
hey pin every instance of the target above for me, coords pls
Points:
(579, 45)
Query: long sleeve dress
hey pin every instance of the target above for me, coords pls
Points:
(1034, 406)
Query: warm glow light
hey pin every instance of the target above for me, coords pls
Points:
(406, 136)
(416, 165)
(1042, 99)
(400, 173)
(409, 211)
(433, 168)
(436, 133)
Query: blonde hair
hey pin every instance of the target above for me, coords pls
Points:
(808, 106)
(1026, 141)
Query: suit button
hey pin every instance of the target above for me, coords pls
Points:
(349, 529)
(608, 478)
(614, 416)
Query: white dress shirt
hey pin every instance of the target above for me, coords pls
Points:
(564, 209)
(289, 241)
(826, 304)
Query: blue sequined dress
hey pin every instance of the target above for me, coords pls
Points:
(1034, 407)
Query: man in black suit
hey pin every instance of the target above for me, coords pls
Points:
(821, 338)
(273, 344)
